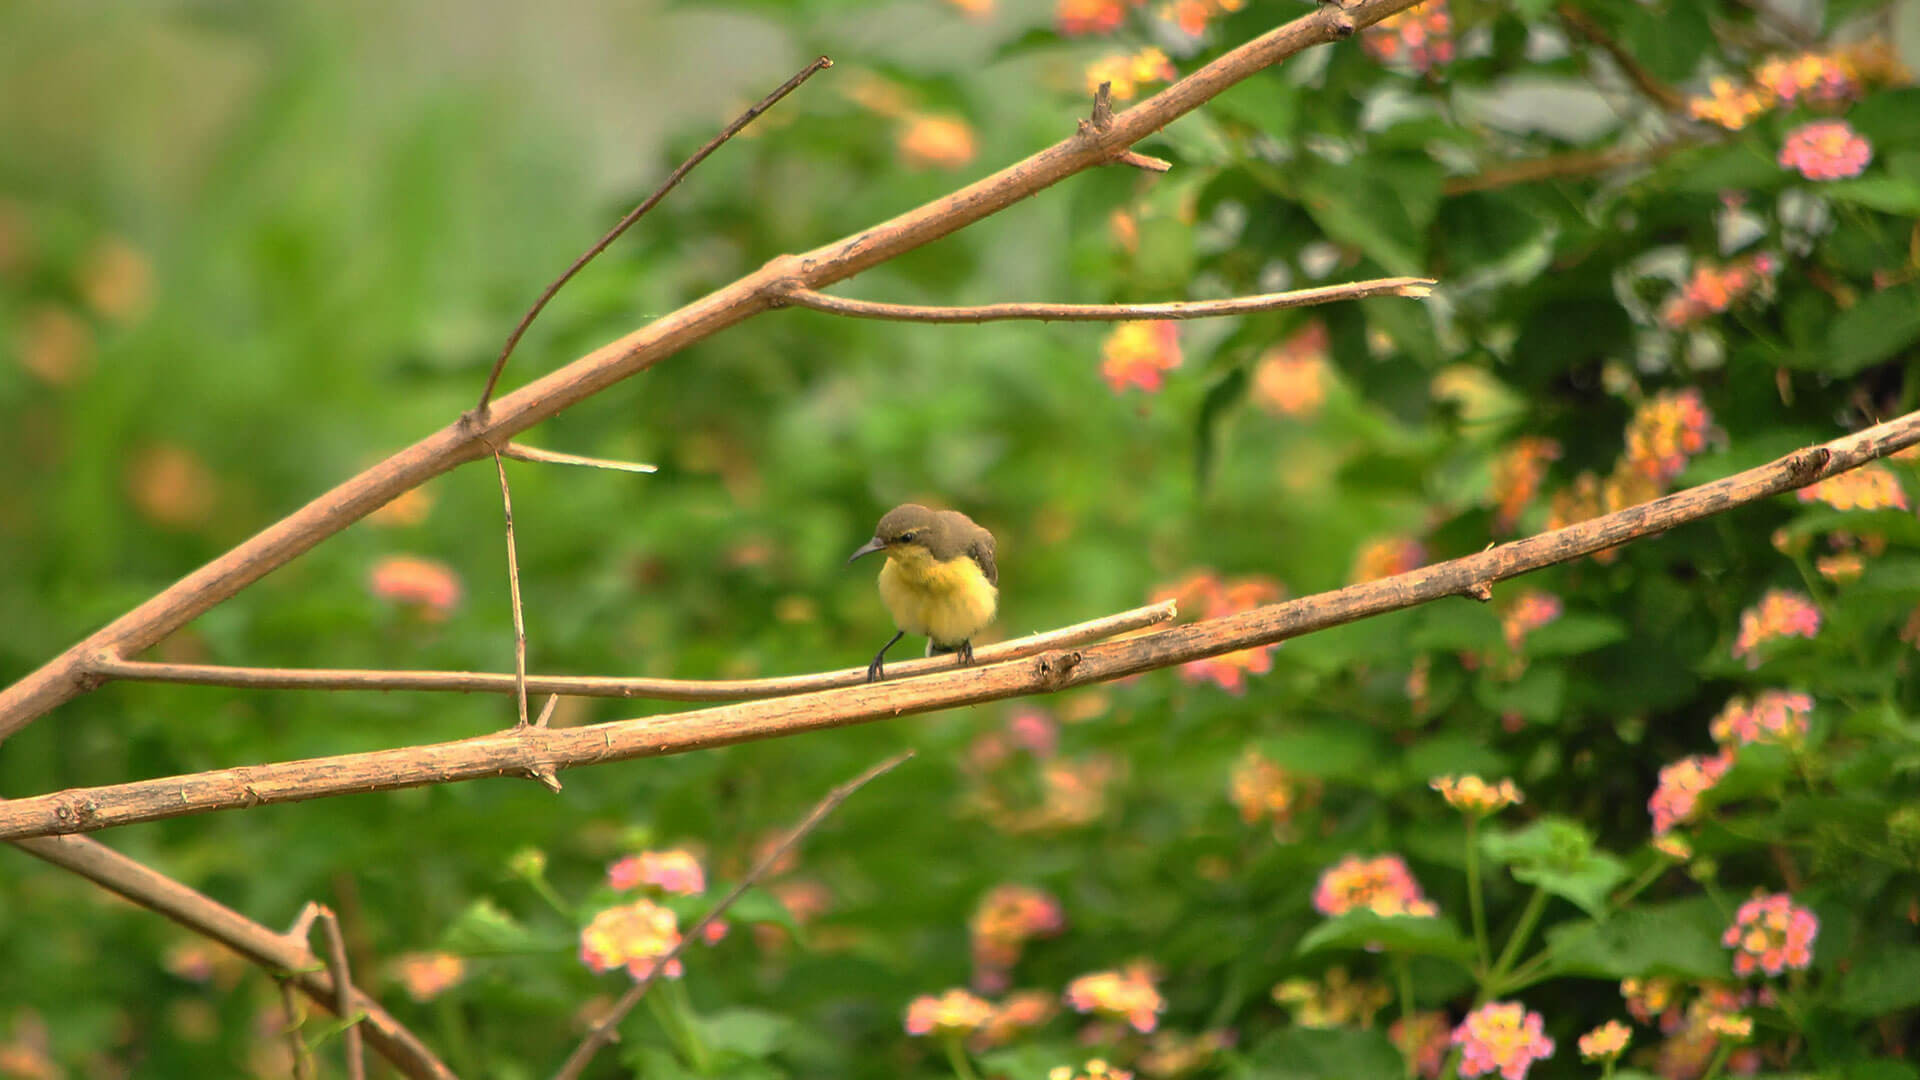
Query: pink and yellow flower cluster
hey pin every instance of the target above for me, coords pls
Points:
(1382, 885)
(1502, 1037)
(1781, 613)
(1771, 933)
(1714, 288)
(1419, 38)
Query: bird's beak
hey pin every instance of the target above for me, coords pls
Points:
(868, 548)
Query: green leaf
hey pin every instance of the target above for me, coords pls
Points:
(1299, 1053)
(1883, 982)
(1362, 929)
(484, 927)
(1571, 635)
(1680, 939)
(1379, 209)
(1887, 194)
(1874, 329)
(1537, 695)
(749, 1033)
(1221, 396)
(1558, 855)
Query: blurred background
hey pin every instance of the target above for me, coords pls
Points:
(249, 250)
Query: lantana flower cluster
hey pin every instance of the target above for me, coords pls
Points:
(1503, 1037)
(1382, 885)
(1127, 995)
(1773, 716)
(1870, 487)
(1781, 613)
(1771, 933)
(1419, 38)
(1206, 595)
(1263, 791)
(1009, 916)
(1715, 288)
(1139, 354)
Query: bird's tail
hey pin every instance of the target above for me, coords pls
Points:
(940, 650)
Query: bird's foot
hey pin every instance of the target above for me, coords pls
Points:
(966, 654)
(876, 672)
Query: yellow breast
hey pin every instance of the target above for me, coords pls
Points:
(949, 602)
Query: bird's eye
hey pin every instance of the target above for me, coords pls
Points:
(908, 536)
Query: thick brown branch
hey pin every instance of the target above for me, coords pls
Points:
(613, 686)
(283, 954)
(672, 181)
(87, 809)
(603, 1028)
(1181, 309)
(467, 438)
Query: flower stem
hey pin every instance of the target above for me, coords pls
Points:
(957, 1057)
(1719, 1061)
(1403, 969)
(1474, 899)
(1522, 930)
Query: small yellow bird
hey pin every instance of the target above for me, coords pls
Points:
(939, 579)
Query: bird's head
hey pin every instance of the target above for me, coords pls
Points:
(905, 529)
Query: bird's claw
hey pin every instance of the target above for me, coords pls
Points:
(875, 672)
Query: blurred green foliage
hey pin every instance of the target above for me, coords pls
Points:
(247, 251)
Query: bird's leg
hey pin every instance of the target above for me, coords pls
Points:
(876, 672)
(966, 654)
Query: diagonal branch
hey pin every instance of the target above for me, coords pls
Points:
(286, 954)
(87, 809)
(1643, 80)
(608, 685)
(672, 181)
(1417, 288)
(467, 438)
(523, 452)
(603, 1029)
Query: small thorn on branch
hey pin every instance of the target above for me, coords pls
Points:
(523, 452)
(1144, 161)
(1479, 590)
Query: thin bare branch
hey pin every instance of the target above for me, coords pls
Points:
(672, 181)
(1180, 309)
(343, 991)
(513, 591)
(296, 1045)
(546, 711)
(1561, 166)
(607, 685)
(523, 452)
(283, 954)
(469, 437)
(602, 1030)
(87, 809)
(1643, 80)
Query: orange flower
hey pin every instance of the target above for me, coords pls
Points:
(1387, 556)
(1730, 104)
(1606, 1042)
(427, 975)
(1665, 431)
(955, 1012)
(1140, 354)
(944, 142)
(1263, 791)
(1075, 18)
(1129, 74)
(1292, 378)
(428, 585)
(1474, 795)
(1207, 596)
(1517, 474)
(171, 486)
(1869, 487)
(1122, 995)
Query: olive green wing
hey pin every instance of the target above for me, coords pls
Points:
(980, 550)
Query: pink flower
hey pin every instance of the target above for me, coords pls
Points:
(1681, 785)
(1771, 934)
(1826, 150)
(1776, 716)
(1503, 1037)
(1382, 885)
(426, 585)
(1780, 613)
(677, 872)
